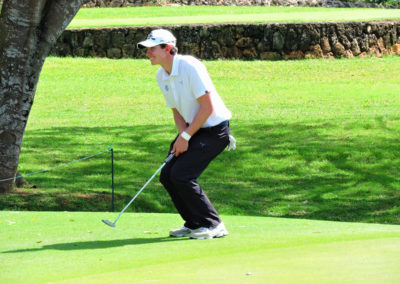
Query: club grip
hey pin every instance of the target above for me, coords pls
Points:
(169, 158)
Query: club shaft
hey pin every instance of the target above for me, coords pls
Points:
(144, 186)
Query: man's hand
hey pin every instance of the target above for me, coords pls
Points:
(206, 108)
(180, 146)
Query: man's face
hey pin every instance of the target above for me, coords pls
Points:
(156, 54)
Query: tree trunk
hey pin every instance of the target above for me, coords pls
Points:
(20, 182)
(28, 30)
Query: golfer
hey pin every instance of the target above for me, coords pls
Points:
(202, 120)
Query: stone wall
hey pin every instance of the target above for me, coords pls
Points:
(243, 41)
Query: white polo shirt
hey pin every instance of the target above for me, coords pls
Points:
(188, 81)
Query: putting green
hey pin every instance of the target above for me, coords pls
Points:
(42, 247)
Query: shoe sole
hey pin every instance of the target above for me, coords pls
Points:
(180, 235)
(222, 234)
(219, 235)
(201, 238)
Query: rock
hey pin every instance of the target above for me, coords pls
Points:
(291, 41)
(236, 53)
(88, 41)
(396, 49)
(325, 46)
(227, 38)
(128, 50)
(261, 47)
(244, 42)
(101, 38)
(381, 45)
(374, 50)
(315, 52)
(215, 50)
(295, 55)
(363, 55)
(305, 40)
(363, 43)
(114, 53)
(204, 33)
(278, 41)
(250, 53)
(355, 48)
(348, 54)
(79, 52)
(338, 49)
(345, 42)
(116, 3)
(118, 39)
(63, 49)
(270, 56)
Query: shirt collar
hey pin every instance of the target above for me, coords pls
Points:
(175, 66)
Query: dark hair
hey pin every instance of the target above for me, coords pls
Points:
(173, 51)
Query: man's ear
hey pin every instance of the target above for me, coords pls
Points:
(168, 48)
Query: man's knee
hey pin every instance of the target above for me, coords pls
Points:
(178, 176)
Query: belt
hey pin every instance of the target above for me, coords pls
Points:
(222, 124)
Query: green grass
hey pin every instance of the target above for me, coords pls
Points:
(65, 247)
(141, 16)
(317, 139)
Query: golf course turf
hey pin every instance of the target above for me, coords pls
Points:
(76, 247)
(317, 139)
(171, 15)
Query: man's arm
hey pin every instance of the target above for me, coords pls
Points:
(179, 121)
(205, 110)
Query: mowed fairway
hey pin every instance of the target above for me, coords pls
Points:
(66, 247)
(169, 15)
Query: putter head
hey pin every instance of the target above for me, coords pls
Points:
(109, 223)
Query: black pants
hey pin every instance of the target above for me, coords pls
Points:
(179, 176)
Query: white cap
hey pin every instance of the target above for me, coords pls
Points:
(157, 37)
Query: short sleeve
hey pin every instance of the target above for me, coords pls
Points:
(200, 80)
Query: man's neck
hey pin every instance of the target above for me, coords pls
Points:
(167, 65)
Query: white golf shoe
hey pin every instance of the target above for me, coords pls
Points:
(209, 233)
(181, 232)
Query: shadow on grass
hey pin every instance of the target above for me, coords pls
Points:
(321, 170)
(343, 171)
(99, 244)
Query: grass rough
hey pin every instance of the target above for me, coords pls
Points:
(317, 139)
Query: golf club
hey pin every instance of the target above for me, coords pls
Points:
(112, 224)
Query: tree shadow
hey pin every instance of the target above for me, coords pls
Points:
(303, 170)
(90, 245)
(300, 170)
